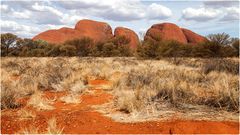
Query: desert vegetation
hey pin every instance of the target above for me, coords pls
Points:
(11, 45)
(217, 45)
(211, 82)
(157, 79)
(137, 86)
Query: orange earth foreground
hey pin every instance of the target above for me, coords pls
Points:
(81, 118)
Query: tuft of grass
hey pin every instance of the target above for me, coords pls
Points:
(127, 101)
(37, 101)
(71, 99)
(8, 96)
(52, 127)
(178, 86)
(30, 130)
(26, 114)
(221, 65)
(211, 82)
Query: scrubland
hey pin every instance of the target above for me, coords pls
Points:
(138, 86)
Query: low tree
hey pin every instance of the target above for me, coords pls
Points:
(124, 50)
(148, 49)
(220, 38)
(236, 45)
(109, 50)
(82, 45)
(97, 49)
(8, 41)
(53, 50)
(122, 47)
(67, 50)
(171, 49)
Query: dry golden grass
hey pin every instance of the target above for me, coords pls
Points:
(52, 127)
(29, 131)
(26, 114)
(40, 103)
(71, 98)
(179, 86)
(135, 83)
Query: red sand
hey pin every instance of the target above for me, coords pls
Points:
(80, 118)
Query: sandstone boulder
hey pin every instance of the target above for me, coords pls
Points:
(169, 31)
(58, 36)
(98, 31)
(129, 34)
(166, 31)
(192, 37)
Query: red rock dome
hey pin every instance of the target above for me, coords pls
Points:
(192, 37)
(101, 31)
(166, 31)
(98, 31)
(131, 35)
(170, 31)
(58, 36)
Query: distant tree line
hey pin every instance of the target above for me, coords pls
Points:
(218, 45)
(11, 45)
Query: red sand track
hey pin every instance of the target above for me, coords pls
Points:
(80, 118)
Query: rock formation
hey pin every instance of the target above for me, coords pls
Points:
(134, 40)
(101, 31)
(192, 37)
(170, 31)
(98, 31)
(58, 36)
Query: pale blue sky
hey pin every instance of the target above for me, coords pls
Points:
(28, 18)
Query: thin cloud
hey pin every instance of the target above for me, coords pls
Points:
(232, 14)
(223, 11)
(117, 10)
(220, 4)
(201, 14)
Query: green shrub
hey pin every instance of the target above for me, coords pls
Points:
(236, 45)
(8, 43)
(81, 46)
(109, 50)
(219, 45)
(157, 49)
(120, 40)
(118, 46)
(97, 49)
(67, 50)
(148, 49)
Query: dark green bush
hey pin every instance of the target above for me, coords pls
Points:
(148, 49)
(67, 50)
(8, 43)
(81, 46)
(118, 46)
(236, 45)
(157, 49)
